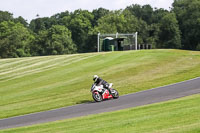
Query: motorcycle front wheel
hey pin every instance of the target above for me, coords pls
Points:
(97, 97)
(115, 94)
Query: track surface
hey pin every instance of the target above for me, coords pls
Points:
(132, 100)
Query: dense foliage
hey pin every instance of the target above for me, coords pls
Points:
(72, 32)
(15, 40)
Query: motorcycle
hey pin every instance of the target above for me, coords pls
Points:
(99, 93)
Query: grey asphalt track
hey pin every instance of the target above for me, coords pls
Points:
(155, 95)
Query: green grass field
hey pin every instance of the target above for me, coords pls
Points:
(36, 84)
(175, 116)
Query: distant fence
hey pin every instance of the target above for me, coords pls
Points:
(144, 46)
(140, 46)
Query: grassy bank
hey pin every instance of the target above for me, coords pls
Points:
(176, 116)
(41, 83)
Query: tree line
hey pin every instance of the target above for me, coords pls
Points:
(76, 32)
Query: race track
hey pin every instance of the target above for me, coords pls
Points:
(132, 100)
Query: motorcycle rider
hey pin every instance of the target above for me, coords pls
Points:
(99, 81)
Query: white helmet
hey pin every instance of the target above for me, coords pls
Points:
(95, 77)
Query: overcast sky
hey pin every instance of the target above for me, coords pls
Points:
(28, 9)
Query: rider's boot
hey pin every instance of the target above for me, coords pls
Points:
(110, 91)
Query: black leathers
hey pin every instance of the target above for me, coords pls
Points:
(102, 82)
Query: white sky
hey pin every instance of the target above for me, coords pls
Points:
(28, 9)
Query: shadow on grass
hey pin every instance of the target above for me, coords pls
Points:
(85, 101)
(92, 101)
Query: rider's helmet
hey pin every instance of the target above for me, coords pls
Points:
(95, 77)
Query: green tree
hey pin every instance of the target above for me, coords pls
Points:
(98, 13)
(149, 23)
(21, 20)
(118, 21)
(56, 40)
(62, 18)
(188, 16)
(14, 40)
(81, 25)
(153, 37)
(158, 14)
(142, 12)
(39, 24)
(5, 16)
(169, 36)
(123, 22)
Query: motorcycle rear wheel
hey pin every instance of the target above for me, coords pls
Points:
(97, 97)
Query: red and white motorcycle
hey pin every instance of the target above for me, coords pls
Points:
(99, 93)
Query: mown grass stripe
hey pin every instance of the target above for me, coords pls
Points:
(29, 64)
(19, 61)
(38, 67)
